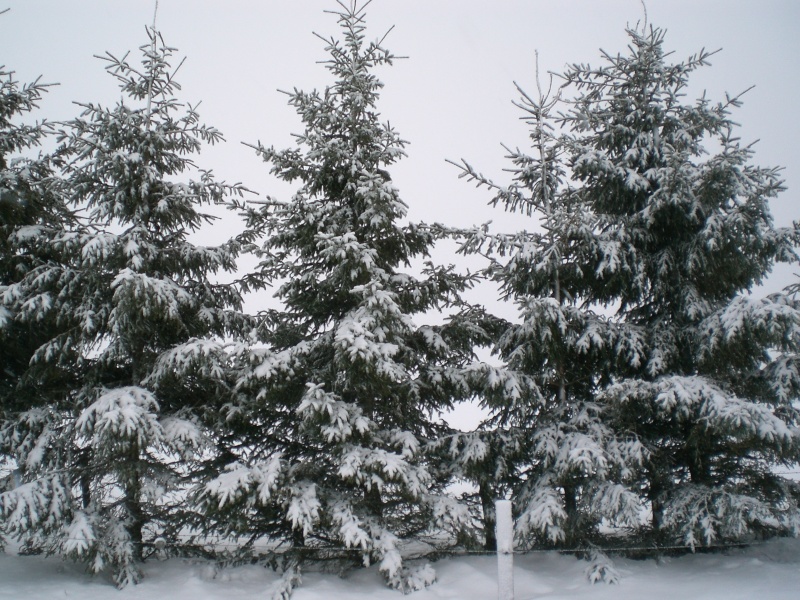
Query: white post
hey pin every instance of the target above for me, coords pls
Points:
(504, 529)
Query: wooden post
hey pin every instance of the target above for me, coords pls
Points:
(504, 529)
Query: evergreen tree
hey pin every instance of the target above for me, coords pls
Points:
(656, 373)
(328, 442)
(30, 210)
(139, 311)
(687, 234)
(19, 207)
(566, 468)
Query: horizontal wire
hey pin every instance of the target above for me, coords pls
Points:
(344, 549)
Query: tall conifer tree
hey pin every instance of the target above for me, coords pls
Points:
(565, 466)
(657, 373)
(31, 213)
(136, 299)
(687, 235)
(337, 409)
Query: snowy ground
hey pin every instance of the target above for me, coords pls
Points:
(767, 572)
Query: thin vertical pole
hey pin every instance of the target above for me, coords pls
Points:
(150, 85)
(504, 528)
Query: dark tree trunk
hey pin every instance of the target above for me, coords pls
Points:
(487, 496)
(133, 504)
(572, 535)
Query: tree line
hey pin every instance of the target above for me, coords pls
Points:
(640, 394)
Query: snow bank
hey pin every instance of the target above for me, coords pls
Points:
(768, 572)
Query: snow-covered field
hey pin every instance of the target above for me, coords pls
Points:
(770, 571)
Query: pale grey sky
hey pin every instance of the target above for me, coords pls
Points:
(450, 99)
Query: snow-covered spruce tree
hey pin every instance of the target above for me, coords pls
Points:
(20, 206)
(685, 233)
(140, 309)
(566, 468)
(30, 212)
(329, 438)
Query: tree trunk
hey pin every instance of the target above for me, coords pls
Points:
(571, 533)
(133, 503)
(487, 497)
(374, 501)
(655, 495)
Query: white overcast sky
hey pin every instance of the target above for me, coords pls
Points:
(450, 99)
